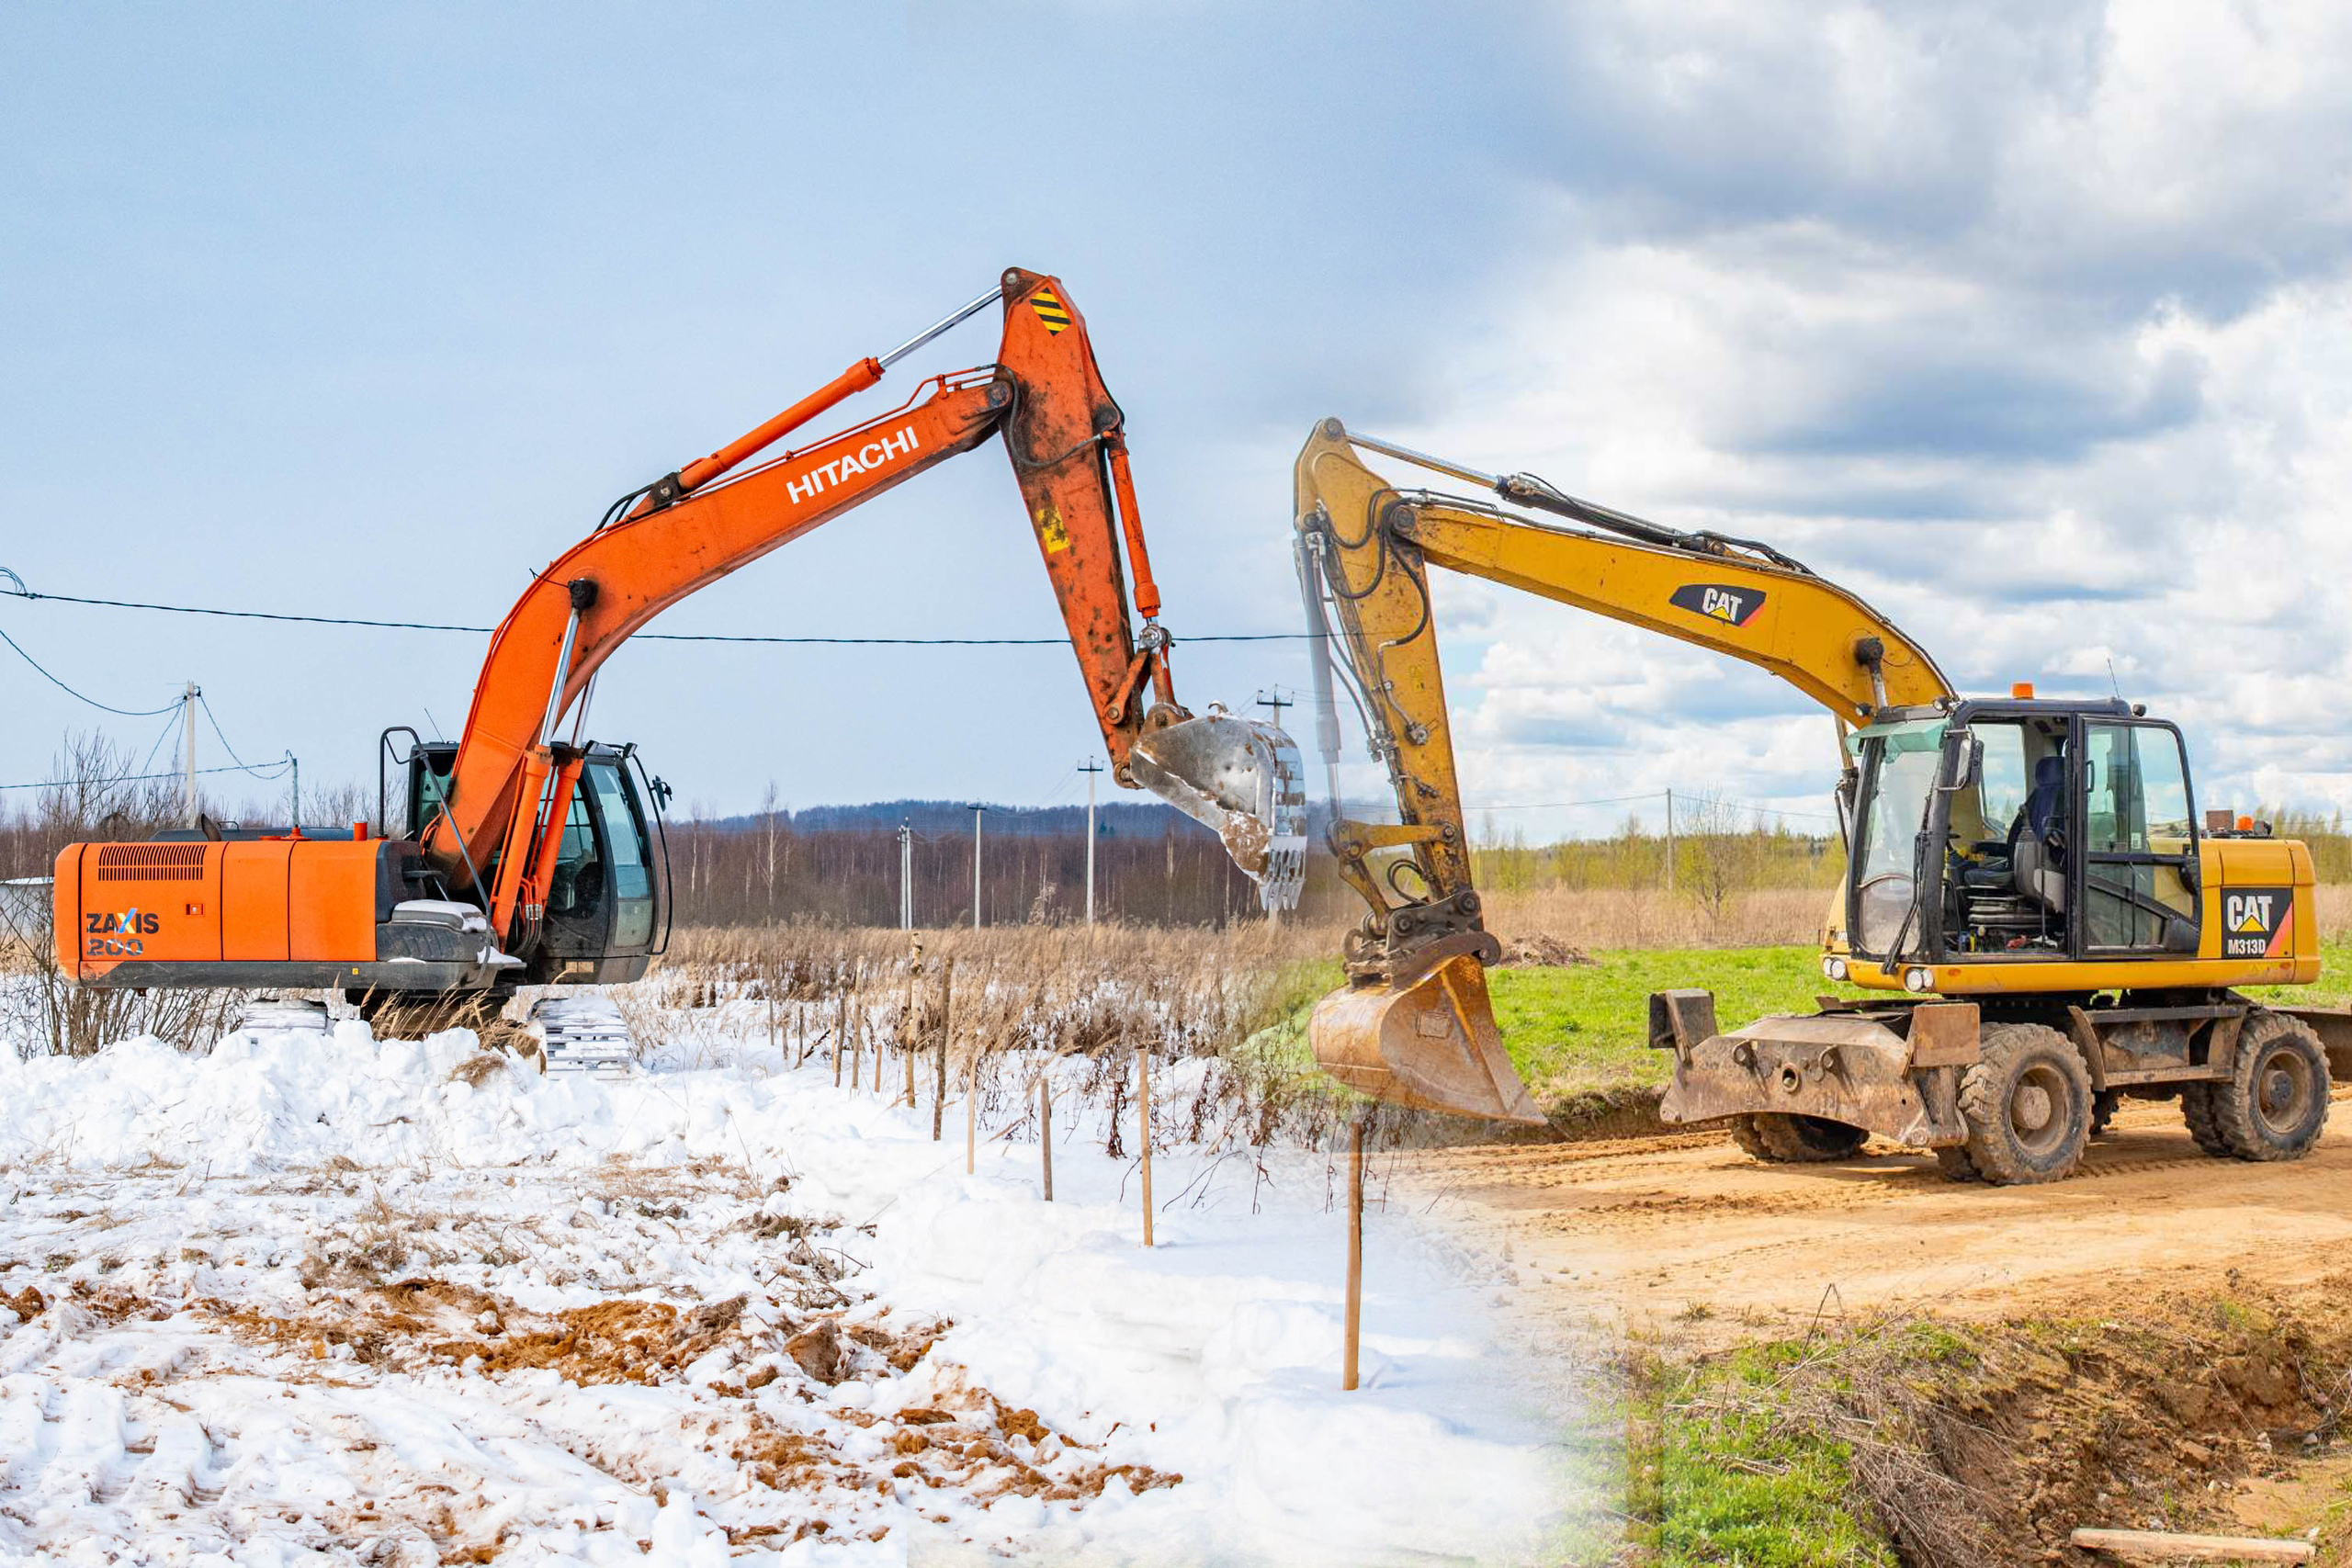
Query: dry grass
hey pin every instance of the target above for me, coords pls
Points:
(1623, 918)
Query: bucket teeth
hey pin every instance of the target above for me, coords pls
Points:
(1244, 781)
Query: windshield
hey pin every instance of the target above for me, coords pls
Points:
(1899, 763)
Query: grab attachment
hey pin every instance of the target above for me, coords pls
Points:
(1244, 781)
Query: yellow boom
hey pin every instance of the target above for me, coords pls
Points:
(1414, 1026)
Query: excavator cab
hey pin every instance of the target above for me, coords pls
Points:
(2021, 830)
(607, 899)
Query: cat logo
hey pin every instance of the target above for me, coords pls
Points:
(1733, 606)
(2255, 921)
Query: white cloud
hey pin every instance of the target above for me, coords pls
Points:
(2079, 396)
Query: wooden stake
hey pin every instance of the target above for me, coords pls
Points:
(939, 1048)
(856, 1025)
(1045, 1133)
(2164, 1543)
(906, 1019)
(1143, 1101)
(1355, 1253)
(840, 1032)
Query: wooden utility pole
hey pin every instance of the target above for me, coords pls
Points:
(187, 735)
(1670, 841)
(977, 810)
(1090, 768)
(1355, 1254)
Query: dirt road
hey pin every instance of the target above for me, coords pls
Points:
(1687, 1234)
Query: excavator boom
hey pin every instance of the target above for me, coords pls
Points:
(1065, 434)
(1415, 1025)
(525, 815)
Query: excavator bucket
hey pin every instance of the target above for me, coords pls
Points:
(1242, 778)
(1431, 1044)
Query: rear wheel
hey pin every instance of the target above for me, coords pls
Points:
(2274, 1103)
(2103, 1111)
(2197, 1110)
(1953, 1161)
(2027, 1105)
(1779, 1139)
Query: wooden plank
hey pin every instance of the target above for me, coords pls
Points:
(2164, 1543)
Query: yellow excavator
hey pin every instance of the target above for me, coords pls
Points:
(2039, 920)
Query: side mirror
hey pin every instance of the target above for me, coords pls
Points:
(1963, 765)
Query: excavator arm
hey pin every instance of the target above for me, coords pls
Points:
(1415, 1025)
(512, 780)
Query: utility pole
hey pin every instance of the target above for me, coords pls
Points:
(1090, 768)
(906, 877)
(1277, 703)
(294, 794)
(1670, 841)
(977, 809)
(187, 728)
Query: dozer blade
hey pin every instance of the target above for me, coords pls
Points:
(1242, 778)
(1432, 1045)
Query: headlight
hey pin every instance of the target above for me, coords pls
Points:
(1917, 979)
(1885, 902)
(1834, 968)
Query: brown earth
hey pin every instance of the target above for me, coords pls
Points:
(1687, 1230)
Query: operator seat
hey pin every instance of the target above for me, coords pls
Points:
(2037, 839)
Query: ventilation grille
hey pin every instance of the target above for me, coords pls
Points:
(151, 863)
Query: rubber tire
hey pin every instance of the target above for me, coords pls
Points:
(2197, 1110)
(2103, 1111)
(1776, 1138)
(2007, 1053)
(1953, 1161)
(2267, 1038)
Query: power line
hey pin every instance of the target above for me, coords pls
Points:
(277, 770)
(127, 778)
(126, 713)
(22, 592)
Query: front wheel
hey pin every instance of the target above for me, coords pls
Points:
(2273, 1105)
(2027, 1105)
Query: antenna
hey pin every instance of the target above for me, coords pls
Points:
(2114, 685)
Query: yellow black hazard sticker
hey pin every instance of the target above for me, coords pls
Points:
(1050, 309)
(1050, 531)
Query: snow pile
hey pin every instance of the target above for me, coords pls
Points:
(403, 1300)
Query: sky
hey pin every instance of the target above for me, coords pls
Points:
(2027, 322)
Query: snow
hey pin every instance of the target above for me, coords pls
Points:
(326, 1299)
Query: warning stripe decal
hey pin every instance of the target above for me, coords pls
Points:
(1050, 309)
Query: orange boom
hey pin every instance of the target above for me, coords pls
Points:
(540, 859)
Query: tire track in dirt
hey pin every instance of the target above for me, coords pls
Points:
(1687, 1230)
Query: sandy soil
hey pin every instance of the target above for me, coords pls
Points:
(1685, 1234)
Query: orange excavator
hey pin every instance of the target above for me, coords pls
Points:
(536, 856)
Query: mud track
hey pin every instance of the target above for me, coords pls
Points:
(1686, 1231)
